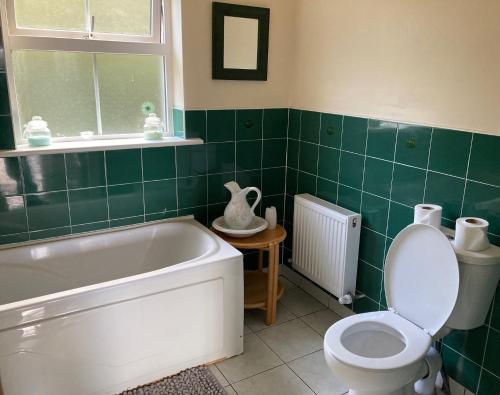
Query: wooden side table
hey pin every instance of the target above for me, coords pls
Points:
(262, 290)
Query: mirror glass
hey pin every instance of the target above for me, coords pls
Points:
(240, 43)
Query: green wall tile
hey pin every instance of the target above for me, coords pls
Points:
(160, 196)
(306, 183)
(191, 160)
(15, 238)
(374, 212)
(273, 181)
(248, 155)
(274, 153)
(126, 221)
(220, 157)
(450, 152)
(372, 247)
(43, 173)
(249, 124)
(381, 139)
(85, 169)
(192, 191)
(327, 190)
(489, 385)
(289, 202)
(123, 166)
(90, 227)
(483, 201)
(47, 210)
(49, 233)
(468, 343)
(447, 192)
(349, 198)
(88, 205)
(291, 181)
(196, 124)
(6, 133)
(461, 369)
(354, 134)
(160, 216)
(158, 163)
(331, 130)
(10, 177)
(485, 159)
(364, 305)
(275, 123)
(294, 124)
(293, 154)
(250, 178)
(217, 192)
(221, 125)
(491, 355)
(4, 95)
(308, 158)
(200, 213)
(351, 169)
(399, 217)
(495, 319)
(12, 215)
(378, 176)
(215, 211)
(328, 164)
(309, 126)
(125, 200)
(408, 185)
(369, 280)
(413, 145)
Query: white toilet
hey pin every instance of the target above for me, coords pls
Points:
(384, 353)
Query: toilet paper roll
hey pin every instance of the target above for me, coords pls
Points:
(429, 214)
(471, 234)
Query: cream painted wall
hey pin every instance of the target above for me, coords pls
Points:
(201, 92)
(434, 62)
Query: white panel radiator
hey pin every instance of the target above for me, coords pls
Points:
(326, 244)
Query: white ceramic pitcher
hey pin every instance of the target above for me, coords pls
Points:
(238, 213)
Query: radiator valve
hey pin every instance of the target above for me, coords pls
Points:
(346, 299)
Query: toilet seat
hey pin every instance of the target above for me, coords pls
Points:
(408, 342)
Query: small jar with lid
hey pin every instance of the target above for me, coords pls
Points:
(37, 133)
(153, 127)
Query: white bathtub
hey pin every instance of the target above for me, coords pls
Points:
(101, 313)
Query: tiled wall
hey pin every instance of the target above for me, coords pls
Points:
(44, 196)
(382, 169)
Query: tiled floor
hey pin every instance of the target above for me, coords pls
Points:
(286, 358)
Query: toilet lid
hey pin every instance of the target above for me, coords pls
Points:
(421, 277)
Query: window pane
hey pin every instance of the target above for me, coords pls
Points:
(126, 84)
(122, 16)
(59, 87)
(51, 14)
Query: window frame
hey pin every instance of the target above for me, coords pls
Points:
(156, 44)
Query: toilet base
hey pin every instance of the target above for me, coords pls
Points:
(407, 390)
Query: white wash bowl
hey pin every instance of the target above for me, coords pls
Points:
(101, 313)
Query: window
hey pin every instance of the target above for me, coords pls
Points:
(86, 65)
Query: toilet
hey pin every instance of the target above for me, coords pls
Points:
(386, 352)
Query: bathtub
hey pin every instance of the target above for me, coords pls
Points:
(101, 313)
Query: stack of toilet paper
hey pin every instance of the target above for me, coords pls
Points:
(471, 234)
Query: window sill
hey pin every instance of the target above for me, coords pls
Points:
(97, 145)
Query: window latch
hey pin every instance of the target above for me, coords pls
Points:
(90, 35)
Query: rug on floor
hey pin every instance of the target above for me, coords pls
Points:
(194, 381)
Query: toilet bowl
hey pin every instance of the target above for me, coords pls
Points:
(383, 353)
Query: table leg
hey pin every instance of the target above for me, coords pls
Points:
(272, 284)
(261, 259)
